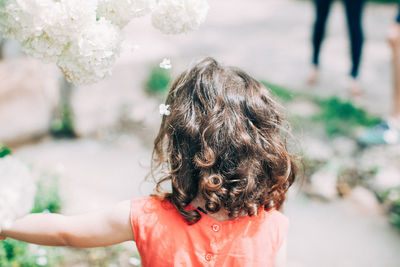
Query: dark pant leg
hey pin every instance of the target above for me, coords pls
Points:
(322, 8)
(354, 9)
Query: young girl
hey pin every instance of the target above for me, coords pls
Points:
(220, 147)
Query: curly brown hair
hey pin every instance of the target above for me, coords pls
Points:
(223, 139)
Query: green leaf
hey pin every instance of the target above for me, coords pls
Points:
(4, 151)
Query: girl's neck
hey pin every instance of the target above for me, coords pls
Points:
(221, 215)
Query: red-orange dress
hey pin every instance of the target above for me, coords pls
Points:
(164, 238)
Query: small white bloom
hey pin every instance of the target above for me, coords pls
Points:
(166, 64)
(42, 261)
(41, 252)
(134, 261)
(164, 110)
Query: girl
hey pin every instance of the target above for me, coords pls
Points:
(220, 148)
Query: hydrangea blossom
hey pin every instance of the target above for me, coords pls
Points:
(83, 37)
(121, 12)
(66, 32)
(17, 192)
(45, 27)
(93, 55)
(179, 16)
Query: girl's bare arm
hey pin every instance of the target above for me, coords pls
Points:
(96, 229)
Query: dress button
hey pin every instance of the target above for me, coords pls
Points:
(215, 227)
(208, 257)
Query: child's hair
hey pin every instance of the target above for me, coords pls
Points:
(222, 140)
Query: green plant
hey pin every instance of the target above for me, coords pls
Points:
(279, 91)
(391, 198)
(15, 253)
(158, 81)
(4, 151)
(47, 197)
(342, 117)
(62, 124)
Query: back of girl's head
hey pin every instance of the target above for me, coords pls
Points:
(223, 141)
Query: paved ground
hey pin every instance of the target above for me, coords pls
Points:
(97, 174)
(271, 40)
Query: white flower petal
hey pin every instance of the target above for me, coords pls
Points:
(17, 193)
(179, 16)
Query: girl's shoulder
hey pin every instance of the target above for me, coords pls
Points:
(152, 209)
(278, 223)
(277, 217)
(150, 205)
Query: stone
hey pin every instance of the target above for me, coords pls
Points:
(386, 178)
(344, 146)
(324, 183)
(365, 200)
(316, 149)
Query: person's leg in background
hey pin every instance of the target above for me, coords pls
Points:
(394, 42)
(354, 11)
(388, 132)
(322, 8)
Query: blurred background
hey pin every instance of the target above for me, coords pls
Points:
(90, 146)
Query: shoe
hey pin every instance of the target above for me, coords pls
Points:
(384, 133)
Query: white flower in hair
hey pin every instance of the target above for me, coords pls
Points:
(17, 192)
(164, 110)
(166, 64)
(179, 16)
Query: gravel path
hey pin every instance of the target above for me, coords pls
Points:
(97, 174)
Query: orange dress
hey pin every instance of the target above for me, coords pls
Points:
(163, 237)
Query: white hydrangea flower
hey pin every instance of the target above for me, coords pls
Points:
(179, 16)
(41, 261)
(92, 57)
(17, 192)
(121, 12)
(63, 31)
(166, 64)
(83, 37)
(45, 27)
